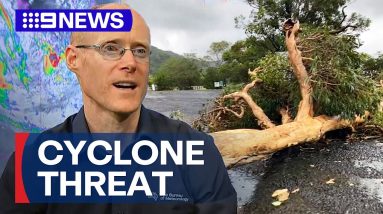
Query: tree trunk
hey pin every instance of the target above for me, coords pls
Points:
(242, 146)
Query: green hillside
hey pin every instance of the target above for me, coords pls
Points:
(158, 57)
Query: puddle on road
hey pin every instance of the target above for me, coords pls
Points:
(244, 183)
(377, 165)
(372, 186)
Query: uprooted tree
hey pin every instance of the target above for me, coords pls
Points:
(317, 85)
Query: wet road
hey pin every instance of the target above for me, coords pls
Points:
(189, 103)
(357, 168)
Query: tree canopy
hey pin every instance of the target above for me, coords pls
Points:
(217, 49)
(177, 72)
(265, 35)
(343, 80)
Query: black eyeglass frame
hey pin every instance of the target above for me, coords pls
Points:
(122, 51)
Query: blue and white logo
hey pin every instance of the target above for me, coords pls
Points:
(74, 20)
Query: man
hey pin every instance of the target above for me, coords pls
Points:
(112, 69)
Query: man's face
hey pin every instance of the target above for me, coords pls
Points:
(115, 85)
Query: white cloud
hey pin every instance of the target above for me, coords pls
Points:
(191, 25)
(185, 26)
(372, 38)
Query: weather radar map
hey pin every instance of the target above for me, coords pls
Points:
(37, 91)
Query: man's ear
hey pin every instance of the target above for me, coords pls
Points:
(72, 59)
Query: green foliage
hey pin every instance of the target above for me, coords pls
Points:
(247, 121)
(176, 72)
(336, 72)
(344, 82)
(377, 119)
(279, 87)
(230, 88)
(217, 49)
(234, 72)
(373, 67)
(241, 57)
(266, 19)
(264, 26)
(211, 75)
(238, 59)
(158, 56)
(176, 115)
(336, 76)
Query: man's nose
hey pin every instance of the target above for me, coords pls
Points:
(128, 61)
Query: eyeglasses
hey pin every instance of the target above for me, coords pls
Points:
(113, 51)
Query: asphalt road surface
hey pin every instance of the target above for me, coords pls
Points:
(356, 167)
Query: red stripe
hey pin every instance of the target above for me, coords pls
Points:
(20, 194)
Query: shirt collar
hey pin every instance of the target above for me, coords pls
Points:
(79, 124)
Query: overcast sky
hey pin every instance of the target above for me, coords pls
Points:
(190, 26)
(373, 38)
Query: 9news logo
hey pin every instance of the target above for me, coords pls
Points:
(73, 20)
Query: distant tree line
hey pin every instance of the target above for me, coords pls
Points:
(182, 72)
(332, 59)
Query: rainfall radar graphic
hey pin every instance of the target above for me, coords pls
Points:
(37, 91)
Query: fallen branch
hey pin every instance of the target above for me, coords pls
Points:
(239, 146)
(263, 120)
(305, 108)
